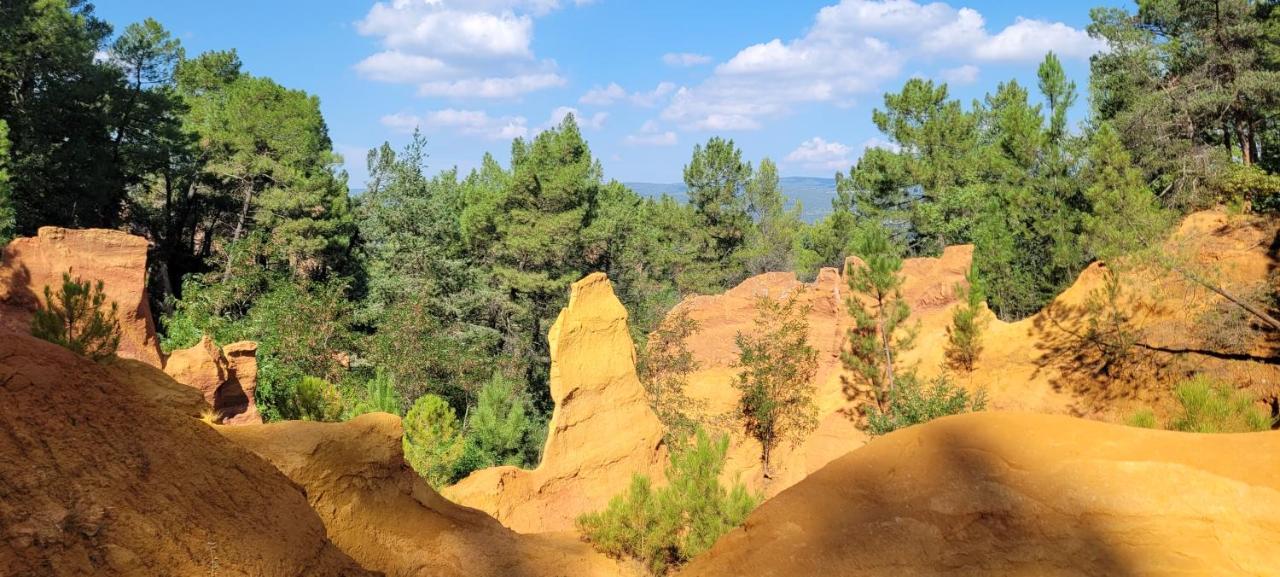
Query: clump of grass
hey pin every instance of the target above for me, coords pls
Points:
(1208, 406)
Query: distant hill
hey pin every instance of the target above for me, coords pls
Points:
(814, 193)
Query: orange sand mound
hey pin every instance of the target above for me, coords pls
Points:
(380, 512)
(1022, 494)
(100, 478)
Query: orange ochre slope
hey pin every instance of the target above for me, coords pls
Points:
(108, 470)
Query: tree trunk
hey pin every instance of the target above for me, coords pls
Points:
(235, 235)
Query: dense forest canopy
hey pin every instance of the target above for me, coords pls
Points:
(445, 284)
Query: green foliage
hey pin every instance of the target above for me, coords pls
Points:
(379, 396)
(664, 366)
(77, 317)
(717, 178)
(1208, 406)
(878, 309)
(666, 527)
(8, 220)
(964, 336)
(775, 379)
(768, 246)
(913, 404)
(503, 428)
(432, 440)
(315, 399)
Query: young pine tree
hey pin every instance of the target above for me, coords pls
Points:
(432, 441)
(964, 336)
(776, 379)
(878, 310)
(76, 317)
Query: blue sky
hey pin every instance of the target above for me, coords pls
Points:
(795, 81)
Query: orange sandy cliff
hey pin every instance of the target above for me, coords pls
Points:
(601, 432)
(118, 259)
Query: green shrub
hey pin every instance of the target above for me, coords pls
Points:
(1144, 419)
(432, 442)
(316, 399)
(502, 428)
(379, 396)
(75, 318)
(670, 525)
(912, 404)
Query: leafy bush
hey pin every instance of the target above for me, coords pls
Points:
(315, 399)
(502, 428)
(1208, 406)
(668, 526)
(664, 366)
(432, 442)
(911, 404)
(75, 318)
(379, 396)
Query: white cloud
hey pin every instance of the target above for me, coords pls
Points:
(459, 49)
(960, 75)
(467, 122)
(594, 122)
(1030, 39)
(501, 87)
(853, 48)
(818, 153)
(651, 135)
(605, 96)
(685, 59)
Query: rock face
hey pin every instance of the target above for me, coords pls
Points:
(118, 259)
(225, 377)
(382, 514)
(601, 432)
(102, 475)
(1022, 494)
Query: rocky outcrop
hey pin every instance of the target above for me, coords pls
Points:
(226, 377)
(118, 259)
(102, 475)
(1021, 494)
(601, 432)
(387, 518)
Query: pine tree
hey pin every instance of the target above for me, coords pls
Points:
(8, 220)
(776, 380)
(432, 441)
(717, 178)
(878, 309)
(77, 317)
(964, 336)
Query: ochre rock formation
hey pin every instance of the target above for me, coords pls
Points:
(1038, 364)
(103, 476)
(1021, 494)
(118, 259)
(929, 288)
(225, 377)
(601, 432)
(382, 514)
